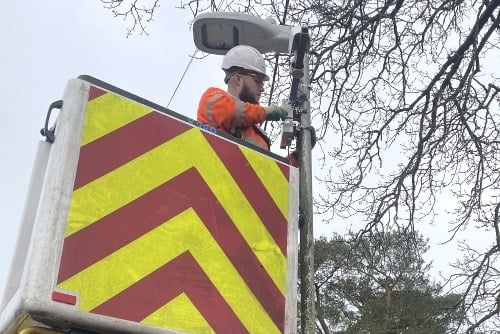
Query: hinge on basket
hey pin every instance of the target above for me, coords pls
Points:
(49, 134)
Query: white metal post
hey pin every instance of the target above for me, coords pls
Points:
(306, 256)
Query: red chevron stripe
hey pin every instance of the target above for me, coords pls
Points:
(118, 147)
(285, 169)
(95, 92)
(252, 187)
(114, 231)
(182, 274)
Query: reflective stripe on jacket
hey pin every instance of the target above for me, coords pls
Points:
(231, 115)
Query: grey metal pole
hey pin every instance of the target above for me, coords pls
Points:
(306, 255)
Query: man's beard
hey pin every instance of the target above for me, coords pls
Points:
(246, 96)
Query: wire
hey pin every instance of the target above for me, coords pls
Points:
(182, 77)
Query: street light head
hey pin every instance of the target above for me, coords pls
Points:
(218, 32)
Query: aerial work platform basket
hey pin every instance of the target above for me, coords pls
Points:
(141, 220)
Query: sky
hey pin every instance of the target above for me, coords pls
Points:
(45, 44)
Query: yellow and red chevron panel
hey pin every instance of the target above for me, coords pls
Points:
(172, 226)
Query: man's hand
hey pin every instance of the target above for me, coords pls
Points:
(275, 113)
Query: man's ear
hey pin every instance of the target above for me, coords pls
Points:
(238, 80)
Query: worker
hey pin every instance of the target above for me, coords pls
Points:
(237, 111)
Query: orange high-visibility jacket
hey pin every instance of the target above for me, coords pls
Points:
(231, 115)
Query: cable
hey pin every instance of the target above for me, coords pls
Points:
(182, 77)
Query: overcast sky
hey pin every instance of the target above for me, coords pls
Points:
(45, 44)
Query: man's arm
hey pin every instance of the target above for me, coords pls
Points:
(226, 112)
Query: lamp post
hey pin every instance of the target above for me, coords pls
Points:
(216, 33)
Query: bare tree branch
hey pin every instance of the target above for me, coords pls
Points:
(406, 102)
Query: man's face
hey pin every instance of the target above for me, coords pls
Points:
(248, 95)
(251, 88)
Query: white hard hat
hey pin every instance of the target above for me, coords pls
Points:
(246, 57)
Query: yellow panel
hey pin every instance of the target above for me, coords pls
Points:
(190, 149)
(107, 113)
(180, 314)
(271, 177)
(184, 232)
